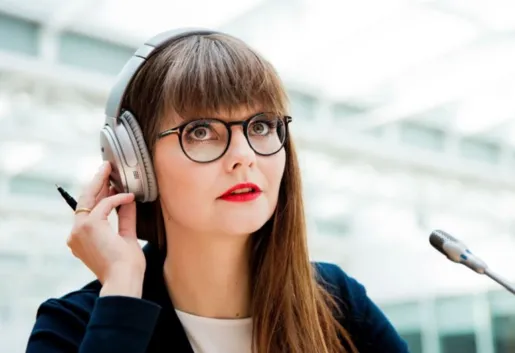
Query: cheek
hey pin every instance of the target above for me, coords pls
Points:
(183, 185)
(273, 170)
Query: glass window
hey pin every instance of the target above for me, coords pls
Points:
(458, 343)
(504, 334)
(501, 303)
(404, 316)
(414, 341)
(422, 136)
(92, 53)
(455, 315)
(18, 35)
(478, 150)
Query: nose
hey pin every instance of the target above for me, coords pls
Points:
(239, 153)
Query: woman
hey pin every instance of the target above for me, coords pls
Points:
(226, 267)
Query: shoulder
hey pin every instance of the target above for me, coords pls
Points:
(338, 283)
(347, 291)
(368, 326)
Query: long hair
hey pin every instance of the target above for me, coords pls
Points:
(209, 73)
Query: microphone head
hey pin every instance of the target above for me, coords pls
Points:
(455, 250)
(438, 238)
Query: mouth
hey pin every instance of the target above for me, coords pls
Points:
(242, 192)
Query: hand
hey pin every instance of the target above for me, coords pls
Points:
(116, 258)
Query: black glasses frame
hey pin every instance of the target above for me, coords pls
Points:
(178, 130)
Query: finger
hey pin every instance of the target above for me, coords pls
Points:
(127, 220)
(112, 191)
(88, 197)
(106, 206)
(104, 192)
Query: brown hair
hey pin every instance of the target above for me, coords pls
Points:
(208, 73)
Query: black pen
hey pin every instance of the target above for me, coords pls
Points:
(67, 197)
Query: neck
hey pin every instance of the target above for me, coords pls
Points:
(208, 275)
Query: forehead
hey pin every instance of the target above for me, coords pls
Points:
(233, 114)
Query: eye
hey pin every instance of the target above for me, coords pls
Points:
(200, 131)
(260, 128)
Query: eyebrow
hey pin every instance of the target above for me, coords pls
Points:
(221, 117)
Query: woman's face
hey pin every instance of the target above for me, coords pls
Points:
(191, 192)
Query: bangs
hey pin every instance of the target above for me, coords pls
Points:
(215, 73)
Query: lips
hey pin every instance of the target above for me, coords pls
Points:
(242, 188)
(242, 193)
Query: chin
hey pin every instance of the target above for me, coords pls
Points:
(242, 226)
(241, 229)
(243, 218)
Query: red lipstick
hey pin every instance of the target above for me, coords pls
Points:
(242, 193)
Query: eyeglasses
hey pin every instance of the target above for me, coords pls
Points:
(206, 140)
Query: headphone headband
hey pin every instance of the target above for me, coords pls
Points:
(130, 69)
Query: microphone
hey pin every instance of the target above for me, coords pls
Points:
(458, 252)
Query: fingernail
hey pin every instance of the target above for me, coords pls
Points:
(103, 166)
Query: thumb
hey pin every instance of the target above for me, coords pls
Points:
(127, 220)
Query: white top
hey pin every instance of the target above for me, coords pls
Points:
(208, 335)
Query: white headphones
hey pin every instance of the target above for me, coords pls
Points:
(121, 140)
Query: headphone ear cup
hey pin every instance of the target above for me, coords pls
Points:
(138, 141)
(123, 145)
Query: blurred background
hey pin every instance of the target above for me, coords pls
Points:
(404, 115)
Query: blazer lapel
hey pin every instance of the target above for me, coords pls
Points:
(169, 334)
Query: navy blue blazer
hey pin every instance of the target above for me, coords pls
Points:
(83, 322)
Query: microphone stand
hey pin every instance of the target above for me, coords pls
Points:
(500, 280)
